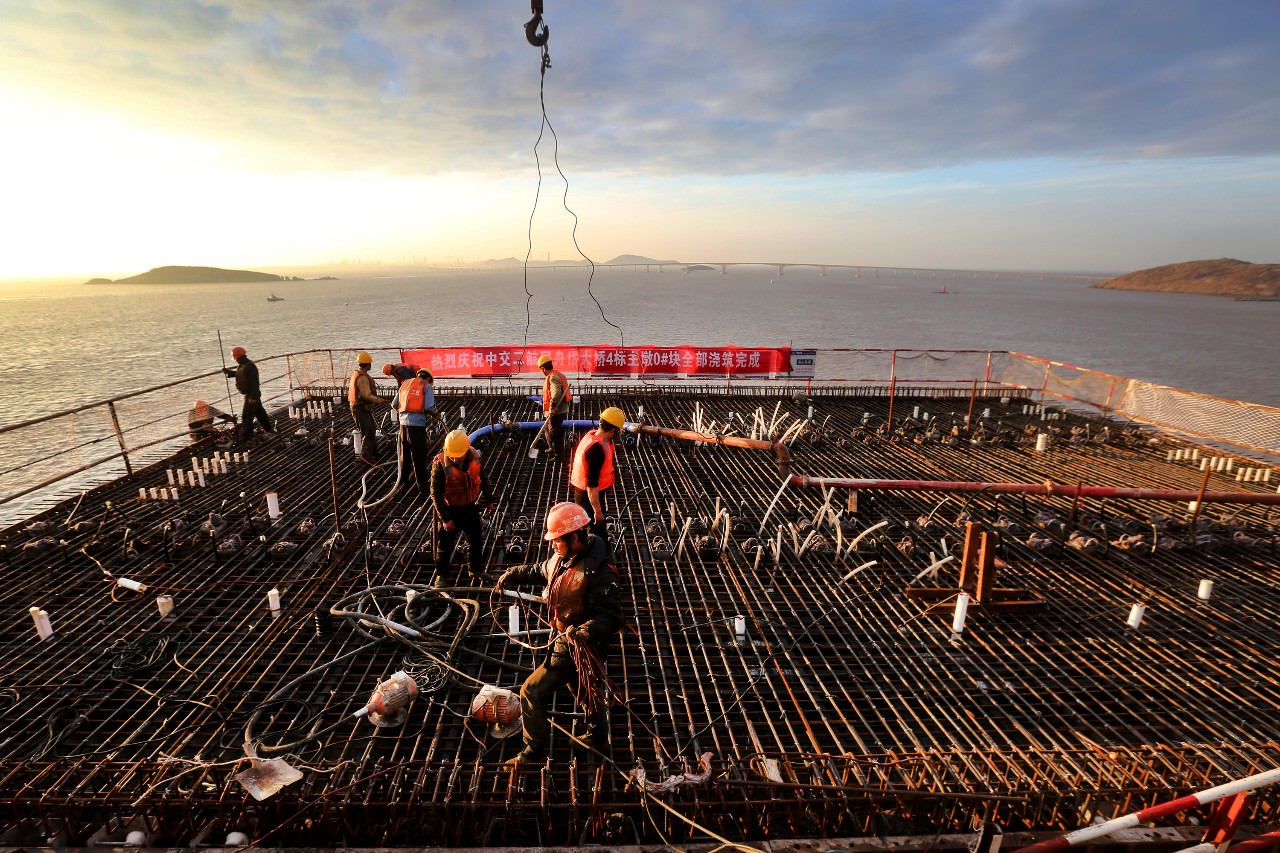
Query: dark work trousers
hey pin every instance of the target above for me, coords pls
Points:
(414, 457)
(466, 519)
(364, 422)
(556, 441)
(582, 499)
(253, 409)
(535, 701)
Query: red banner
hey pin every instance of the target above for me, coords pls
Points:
(603, 360)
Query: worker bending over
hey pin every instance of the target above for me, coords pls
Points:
(416, 401)
(592, 471)
(363, 399)
(458, 488)
(586, 611)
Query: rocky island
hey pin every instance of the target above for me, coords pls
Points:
(195, 275)
(1223, 277)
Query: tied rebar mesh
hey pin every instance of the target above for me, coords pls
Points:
(842, 709)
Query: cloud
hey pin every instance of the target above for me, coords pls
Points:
(706, 88)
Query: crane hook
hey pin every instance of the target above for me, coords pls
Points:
(537, 37)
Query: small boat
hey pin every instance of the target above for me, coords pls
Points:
(274, 298)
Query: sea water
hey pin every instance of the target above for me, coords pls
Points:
(67, 343)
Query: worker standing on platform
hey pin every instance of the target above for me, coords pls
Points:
(556, 397)
(246, 374)
(458, 488)
(416, 401)
(361, 396)
(592, 471)
(586, 612)
(200, 420)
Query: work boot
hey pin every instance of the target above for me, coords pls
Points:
(526, 757)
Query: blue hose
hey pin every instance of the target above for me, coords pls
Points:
(492, 428)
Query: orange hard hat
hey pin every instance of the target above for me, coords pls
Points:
(237, 352)
(565, 517)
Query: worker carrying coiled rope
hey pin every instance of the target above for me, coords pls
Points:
(458, 489)
(585, 607)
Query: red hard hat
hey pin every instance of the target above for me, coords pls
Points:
(565, 518)
(386, 370)
(237, 352)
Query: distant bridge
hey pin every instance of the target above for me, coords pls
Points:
(858, 270)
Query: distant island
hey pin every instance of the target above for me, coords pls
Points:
(202, 275)
(1223, 277)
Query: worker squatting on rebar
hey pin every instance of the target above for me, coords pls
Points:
(200, 420)
(585, 609)
(362, 398)
(592, 471)
(459, 488)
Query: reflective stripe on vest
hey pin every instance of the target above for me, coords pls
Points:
(412, 396)
(546, 389)
(461, 486)
(578, 475)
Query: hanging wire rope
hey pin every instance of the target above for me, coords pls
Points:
(538, 34)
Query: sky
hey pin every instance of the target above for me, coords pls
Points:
(997, 134)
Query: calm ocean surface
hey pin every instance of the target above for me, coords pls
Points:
(68, 343)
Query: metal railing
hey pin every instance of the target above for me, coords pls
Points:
(49, 458)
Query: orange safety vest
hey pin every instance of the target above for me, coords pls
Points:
(461, 485)
(412, 398)
(353, 395)
(578, 474)
(546, 389)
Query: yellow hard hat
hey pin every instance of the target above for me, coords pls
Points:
(364, 358)
(543, 360)
(456, 443)
(614, 416)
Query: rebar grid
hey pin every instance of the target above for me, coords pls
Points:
(844, 708)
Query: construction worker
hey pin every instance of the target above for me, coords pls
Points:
(592, 472)
(586, 611)
(363, 399)
(415, 401)
(556, 397)
(401, 373)
(458, 489)
(200, 420)
(246, 374)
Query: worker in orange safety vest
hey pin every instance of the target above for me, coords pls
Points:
(416, 401)
(556, 397)
(591, 474)
(459, 488)
(363, 398)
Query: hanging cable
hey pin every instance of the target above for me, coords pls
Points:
(538, 34)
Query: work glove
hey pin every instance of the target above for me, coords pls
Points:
(500, 585)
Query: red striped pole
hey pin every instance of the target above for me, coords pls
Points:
(1191, 801)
